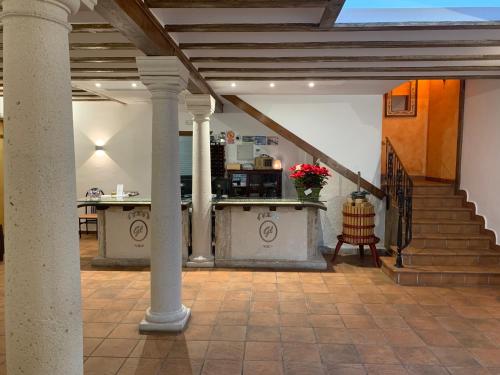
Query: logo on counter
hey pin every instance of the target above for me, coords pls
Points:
(138, 230)
(268, 231)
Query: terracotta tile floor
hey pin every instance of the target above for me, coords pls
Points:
(351, 321)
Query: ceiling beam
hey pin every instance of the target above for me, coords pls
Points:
(338, 27)
(104, 70)
(93, 28)
(331, 13)
(344, 44)
(354, 78)
(236, 3)
(101, 46)
(104, 59)
(368, 69)
(139, 25)
(307, 59)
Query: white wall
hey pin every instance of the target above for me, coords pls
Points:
(125, 131)
(347, 128)
(480, 170)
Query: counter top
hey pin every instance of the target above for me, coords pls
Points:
(125, 201)
(268, 202)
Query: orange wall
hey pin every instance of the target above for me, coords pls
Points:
(409, 134)
(442, 130)
(427, 143)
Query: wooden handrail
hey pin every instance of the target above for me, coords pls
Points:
(299, 142)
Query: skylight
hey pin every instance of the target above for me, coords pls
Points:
(369, 11)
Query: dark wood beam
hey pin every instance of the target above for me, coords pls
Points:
(139, 25)
(299, 142)
(104, 59)
(93, 28)
(101, 46)
(344, 44)
(331, 13)
(105, 78)
(368, 69)
(236, 3)
(357, 78)
(103, 70)
(308, 59)
(314, 27)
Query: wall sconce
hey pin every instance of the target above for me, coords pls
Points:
(99, 149)
(276, 164)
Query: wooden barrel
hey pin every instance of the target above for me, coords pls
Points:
(359, 222)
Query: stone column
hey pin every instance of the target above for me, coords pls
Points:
(42, 262)
(165, 77)
(201, 107)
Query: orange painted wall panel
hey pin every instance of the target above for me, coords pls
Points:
(442, 130)
(409, 134)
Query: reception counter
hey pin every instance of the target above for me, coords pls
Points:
(274, 233)
(123, 230)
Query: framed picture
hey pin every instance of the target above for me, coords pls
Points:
(402, 101)
(260, 140)
(272, 141)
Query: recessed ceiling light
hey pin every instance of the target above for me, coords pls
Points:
(134, 84)
(311, 84)
(97, 84)
(233, 84)
(271, 84)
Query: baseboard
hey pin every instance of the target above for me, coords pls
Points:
(480, 218)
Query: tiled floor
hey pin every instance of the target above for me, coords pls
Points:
(352, 321)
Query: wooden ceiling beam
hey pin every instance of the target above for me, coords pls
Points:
(308, 59)
(139, 25)
(331, 13)
(104, 59)
(101, 46)
(236, 3)
(368, 69)
(354, 78)
(93, 28)
(338, 27)
(104, 70)
(344, 44)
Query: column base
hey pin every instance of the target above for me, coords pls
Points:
(200, 262)
(175, 322)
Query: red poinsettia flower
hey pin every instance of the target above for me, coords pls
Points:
(309, 175)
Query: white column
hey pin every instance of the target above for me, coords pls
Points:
(201, 106)
(42, 266)
(165, 77)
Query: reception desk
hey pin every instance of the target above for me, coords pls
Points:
(271, 233)
(124, 230)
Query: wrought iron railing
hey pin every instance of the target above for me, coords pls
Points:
(398, 187)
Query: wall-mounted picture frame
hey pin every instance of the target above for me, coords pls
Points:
(402, 101)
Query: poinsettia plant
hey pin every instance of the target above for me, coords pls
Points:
(309, 175)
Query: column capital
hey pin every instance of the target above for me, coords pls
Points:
(55, 10)
(162, 75)
(200, 105)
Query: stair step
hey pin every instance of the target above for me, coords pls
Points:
(433, 189)
(441, 275)
(451, 241)
(448, 213)
(450, 257)
(431, 201)
(444, 226)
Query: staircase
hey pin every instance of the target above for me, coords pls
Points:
(449, 245)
